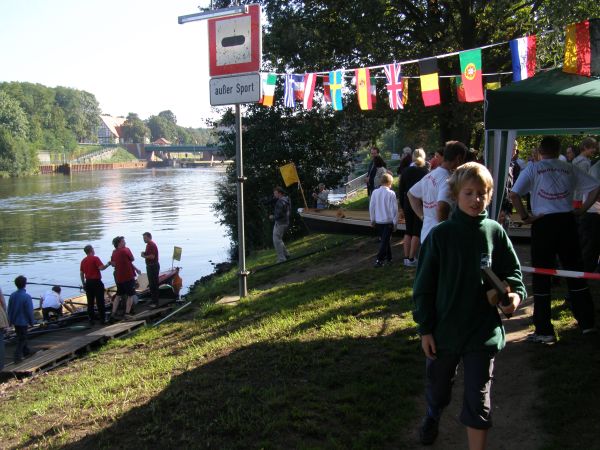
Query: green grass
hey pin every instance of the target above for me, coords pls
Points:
(330, 362)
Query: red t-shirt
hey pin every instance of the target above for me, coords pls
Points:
(90, 266)
(151, 249)
(121, 259)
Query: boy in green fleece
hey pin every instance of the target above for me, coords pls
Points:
(454, 317)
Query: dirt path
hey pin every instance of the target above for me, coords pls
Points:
(515, 385)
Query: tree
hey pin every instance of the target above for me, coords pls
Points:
(169, 116)
(17, 157)
(161, 127)
(12, 116)
(134, 130)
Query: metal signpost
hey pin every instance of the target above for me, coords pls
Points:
(235, 55)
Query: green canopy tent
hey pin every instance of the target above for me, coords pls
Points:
(551, 102)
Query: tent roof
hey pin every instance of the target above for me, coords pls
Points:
(551, 102)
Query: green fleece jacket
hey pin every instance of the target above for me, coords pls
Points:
(449, 290)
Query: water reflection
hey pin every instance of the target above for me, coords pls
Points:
(45, 221)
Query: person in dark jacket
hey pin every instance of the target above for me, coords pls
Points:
(20, 315)
(281, 216)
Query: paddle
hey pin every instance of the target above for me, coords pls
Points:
(61, 285)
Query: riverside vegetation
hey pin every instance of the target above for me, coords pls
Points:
(323, 353)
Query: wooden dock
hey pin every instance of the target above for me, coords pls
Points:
(59, 346)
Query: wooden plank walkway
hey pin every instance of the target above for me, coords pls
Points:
(66, 351)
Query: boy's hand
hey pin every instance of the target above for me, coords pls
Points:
(514, 301)
(428, 346)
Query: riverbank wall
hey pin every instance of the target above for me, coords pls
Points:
(89, 167)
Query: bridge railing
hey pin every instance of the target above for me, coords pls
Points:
(341, 193)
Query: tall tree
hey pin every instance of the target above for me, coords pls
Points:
(134, 129)
(12, 116)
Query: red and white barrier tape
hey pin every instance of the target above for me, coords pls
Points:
(562, 273)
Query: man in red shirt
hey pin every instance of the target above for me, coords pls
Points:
(122, 260)
(152, 267)
(91, 279)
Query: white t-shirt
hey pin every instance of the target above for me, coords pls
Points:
(595, 174)
(429, 190)
(552, 183)
(51, 300)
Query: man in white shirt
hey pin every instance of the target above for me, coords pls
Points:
(589, 229)
(589, 146)
(425, 195)
(383, 211)
(552, 183)
(52, 303)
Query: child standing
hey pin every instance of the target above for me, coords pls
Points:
(454, 318)
(383, 210)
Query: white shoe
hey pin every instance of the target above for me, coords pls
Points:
(409, 263)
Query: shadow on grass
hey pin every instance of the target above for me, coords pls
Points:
(346, 393)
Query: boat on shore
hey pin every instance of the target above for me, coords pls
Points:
(343, 221)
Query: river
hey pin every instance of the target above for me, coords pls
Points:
(45, 221)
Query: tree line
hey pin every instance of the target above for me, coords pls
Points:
(35, 117)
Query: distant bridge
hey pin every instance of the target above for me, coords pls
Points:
(182, 148)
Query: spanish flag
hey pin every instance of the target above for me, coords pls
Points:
(582, 48)
(470, 67)
(430, 88)
(363, 89)
(289, 174)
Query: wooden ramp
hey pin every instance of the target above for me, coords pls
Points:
(66, 351)
(49, 359)
(150, 314)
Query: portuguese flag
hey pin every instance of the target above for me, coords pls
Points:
(582, 48)
(470, 67)
(430, 88)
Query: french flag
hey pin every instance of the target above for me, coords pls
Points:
(523, 57)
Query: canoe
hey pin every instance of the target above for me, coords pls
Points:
(342, 221)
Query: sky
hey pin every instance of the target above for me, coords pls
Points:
(131, 54)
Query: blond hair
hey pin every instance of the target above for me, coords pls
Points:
(471, 171)
(386, 179)
(418, 157)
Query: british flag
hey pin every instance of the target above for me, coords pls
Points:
(393, 73)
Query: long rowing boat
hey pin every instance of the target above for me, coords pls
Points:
(342, 221)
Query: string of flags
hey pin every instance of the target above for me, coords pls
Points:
(582, 57)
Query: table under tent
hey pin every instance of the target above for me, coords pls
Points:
(549, 103)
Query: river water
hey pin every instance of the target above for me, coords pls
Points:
(45, 221)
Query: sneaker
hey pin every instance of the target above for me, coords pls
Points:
(410, 262)
(428, 431)
(541, 338)
(378, 264)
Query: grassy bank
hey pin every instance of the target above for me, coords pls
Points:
(331, 361)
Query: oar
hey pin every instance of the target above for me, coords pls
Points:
(55, 284)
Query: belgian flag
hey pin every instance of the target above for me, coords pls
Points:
(582, 48)
(430, 88)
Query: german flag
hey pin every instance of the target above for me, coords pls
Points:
(582, 48)
(430, 88)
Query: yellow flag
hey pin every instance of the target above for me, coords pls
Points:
(289, 174)
(177, 253)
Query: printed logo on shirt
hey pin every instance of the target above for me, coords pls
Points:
(485, 261)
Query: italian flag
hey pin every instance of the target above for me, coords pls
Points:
(472, 80)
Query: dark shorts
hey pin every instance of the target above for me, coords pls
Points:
(413, 223)
(478, 373)
(126, 288)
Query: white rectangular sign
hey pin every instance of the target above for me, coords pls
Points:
(231, 90)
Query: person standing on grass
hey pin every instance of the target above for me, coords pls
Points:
(408, 178)
(371, 171)
(281, 216)
(3, 326)
(454, 318)
(152, 267)
(20, 315)
(552, 183)
(91, 280)
(383, 210)
(589, 147)
(425, 195)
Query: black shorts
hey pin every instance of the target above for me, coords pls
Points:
(413, 223)
(126, 288)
